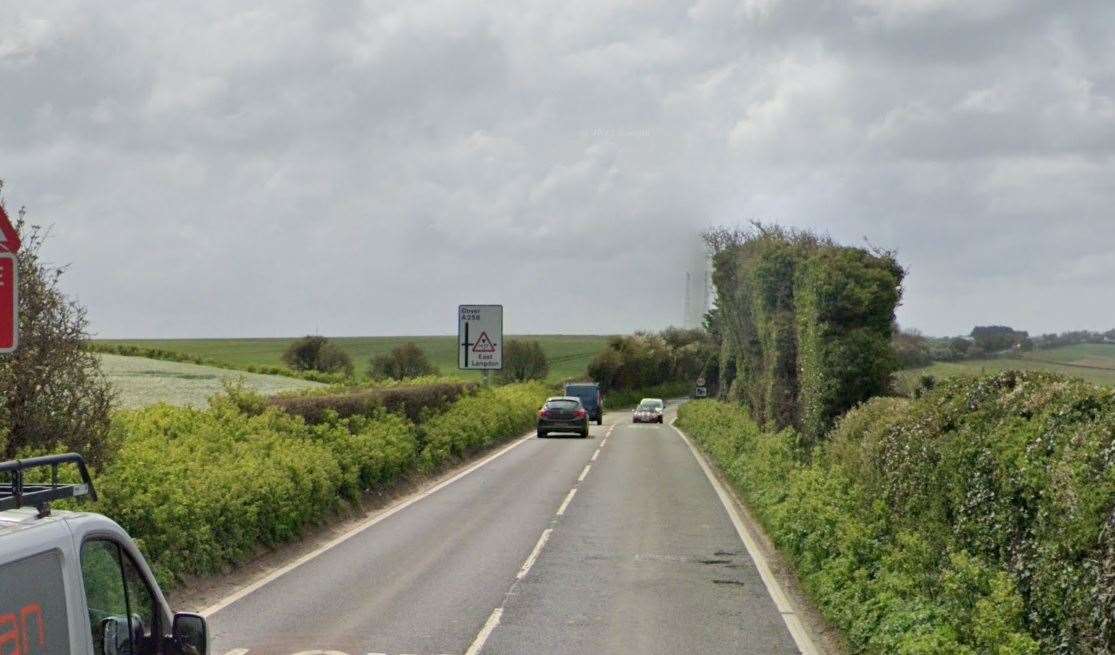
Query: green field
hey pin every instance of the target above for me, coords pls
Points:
(569, 354)
(1091, 362)
(140, 381)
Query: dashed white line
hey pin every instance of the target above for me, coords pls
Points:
(534, 554)
(237, 651)
(584, 473)
(596, 454)
(565, 503)
(485, 632)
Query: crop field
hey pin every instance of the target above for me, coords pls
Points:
(569, 354)
(141, 381)
(1092, 362)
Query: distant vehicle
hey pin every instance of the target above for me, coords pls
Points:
(649, 411)
(62, 570)
(562, 414)
(591, 398)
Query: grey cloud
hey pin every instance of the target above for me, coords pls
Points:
(360, 168)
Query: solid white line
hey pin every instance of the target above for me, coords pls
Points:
(229, 600)
(584, 473)
(565, 503)
(485, 632)
(534, 554)
(774, 588)
(596, 454)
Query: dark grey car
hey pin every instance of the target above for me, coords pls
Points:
(563, 414)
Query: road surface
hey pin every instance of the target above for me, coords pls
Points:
(613, 544)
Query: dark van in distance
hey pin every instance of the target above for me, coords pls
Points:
(590, 396)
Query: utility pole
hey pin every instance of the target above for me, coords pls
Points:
(688, 283)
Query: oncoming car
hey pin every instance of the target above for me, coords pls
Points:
(648, 411)
(562, 414)
(74, 582)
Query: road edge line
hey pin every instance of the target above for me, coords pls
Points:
(391, 511)
(781, 599)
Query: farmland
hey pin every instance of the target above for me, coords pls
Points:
(569, 354)
(140, 381)
(1092, 362)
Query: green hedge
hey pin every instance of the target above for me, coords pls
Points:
(202, 490)
(629, 398)
(977, 519)
(413, 401)
(477, 422)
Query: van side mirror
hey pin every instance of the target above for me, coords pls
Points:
(190, 634)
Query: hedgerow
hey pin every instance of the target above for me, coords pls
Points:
(175, 356)
(414, 401)
(977, 519)
(476, 422)
(203, 490)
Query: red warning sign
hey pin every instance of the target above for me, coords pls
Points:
(483, 344)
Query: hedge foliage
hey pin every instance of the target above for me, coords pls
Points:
(807, 324)
(202, 490)
(414, 401)
(477, 422)
(979, 518)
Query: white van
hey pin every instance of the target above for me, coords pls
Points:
(74, 582)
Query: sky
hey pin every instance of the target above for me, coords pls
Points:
(222, 169)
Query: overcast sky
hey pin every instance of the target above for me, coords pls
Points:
(278, 168)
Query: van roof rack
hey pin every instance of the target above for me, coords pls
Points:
(15, 493)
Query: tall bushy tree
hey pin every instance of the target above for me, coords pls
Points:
(807, 322)
(54, 395)
(317, 353)
(523, 361)
(404, 361)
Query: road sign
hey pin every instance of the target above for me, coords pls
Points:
(9, 302)
(700, 381)
(480, 337)
(7, 232)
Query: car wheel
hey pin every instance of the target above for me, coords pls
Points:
(542, 434)
(584, 435)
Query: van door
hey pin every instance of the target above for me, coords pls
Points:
(124, 617)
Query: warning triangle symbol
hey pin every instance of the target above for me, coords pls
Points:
(483, 344)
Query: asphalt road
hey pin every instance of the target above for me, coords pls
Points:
(641, 558)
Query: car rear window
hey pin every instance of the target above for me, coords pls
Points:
(562, 404)
(33, 605)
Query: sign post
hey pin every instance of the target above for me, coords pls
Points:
(480, 338)
(9, 285)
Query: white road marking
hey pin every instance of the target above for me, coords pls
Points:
(237, 651)
(774, 588)
(596, 454)
(534, 554)
(229, 600)
(565, 503)
(584, 473)
(485, 632)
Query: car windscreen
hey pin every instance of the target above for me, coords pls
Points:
(649, 407)
(566, 405)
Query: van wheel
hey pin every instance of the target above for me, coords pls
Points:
(600, 421)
